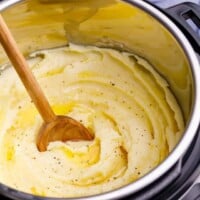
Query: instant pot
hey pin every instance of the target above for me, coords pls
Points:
(164, 37)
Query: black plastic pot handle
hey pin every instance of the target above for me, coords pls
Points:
(187, 17)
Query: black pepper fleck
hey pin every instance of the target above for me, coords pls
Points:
(113, 84)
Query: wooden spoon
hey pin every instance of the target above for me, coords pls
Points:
(54, 128)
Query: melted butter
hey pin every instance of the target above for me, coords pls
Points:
(9, 150)
(37, 191)
(55, 71)
(27, 114)
(84, 159)
(86, 74)
(10, 153)
(63, 109)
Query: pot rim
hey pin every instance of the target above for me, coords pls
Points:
(189, 133)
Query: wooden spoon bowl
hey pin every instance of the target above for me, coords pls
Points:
(63, 128)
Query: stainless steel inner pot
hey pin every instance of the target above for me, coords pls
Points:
(133, 26)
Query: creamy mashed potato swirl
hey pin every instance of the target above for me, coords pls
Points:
(119, 96)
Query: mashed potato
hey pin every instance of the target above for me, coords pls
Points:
(127, 104)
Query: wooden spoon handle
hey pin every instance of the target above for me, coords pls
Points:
(24, 72)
